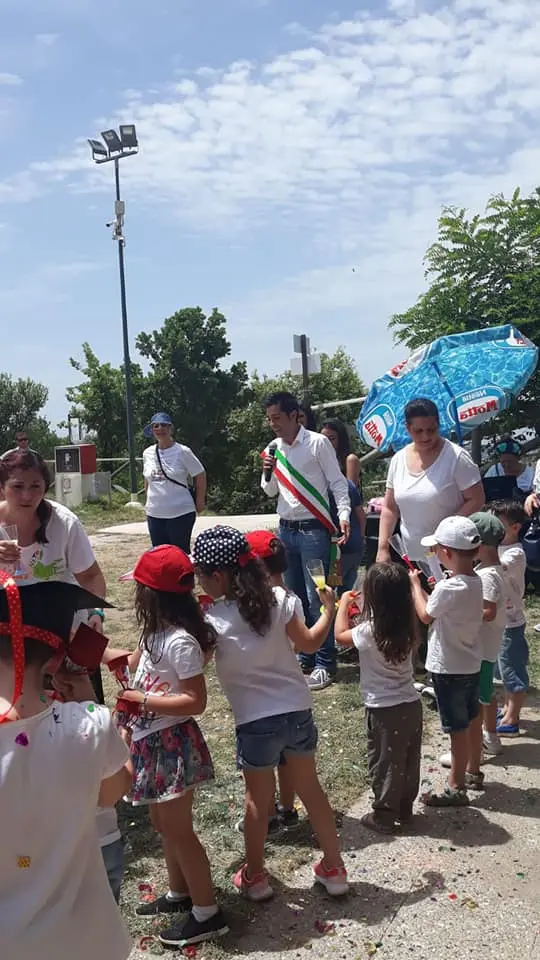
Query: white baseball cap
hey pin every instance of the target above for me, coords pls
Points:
(458, 533)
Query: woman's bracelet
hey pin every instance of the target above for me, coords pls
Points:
(97, 613)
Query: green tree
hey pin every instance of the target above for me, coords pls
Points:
(99, 401)
(236, 489)
(483, 271)
(188, 380)
(20, 403)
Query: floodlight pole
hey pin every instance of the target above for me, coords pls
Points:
(119, 236)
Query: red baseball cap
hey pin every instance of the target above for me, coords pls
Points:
(163, 568)
(262, 543)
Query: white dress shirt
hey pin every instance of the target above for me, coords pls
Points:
(315, 458)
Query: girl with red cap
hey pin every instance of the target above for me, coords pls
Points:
(168, 751)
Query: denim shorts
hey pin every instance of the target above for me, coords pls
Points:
(262, 743)
(113, 858)
(513, 660)
(457, 699)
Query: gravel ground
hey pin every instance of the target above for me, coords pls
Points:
(459, 883)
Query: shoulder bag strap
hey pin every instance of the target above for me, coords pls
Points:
(166, 475)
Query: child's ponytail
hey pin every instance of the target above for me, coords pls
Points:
(223, 548)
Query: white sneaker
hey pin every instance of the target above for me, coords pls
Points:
(319, 679)
(429, 693)
(492, 744)
(418, 686)
(445, 760)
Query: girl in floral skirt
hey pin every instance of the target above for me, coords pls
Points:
(168, 751)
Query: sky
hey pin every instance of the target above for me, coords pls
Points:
(294, 158)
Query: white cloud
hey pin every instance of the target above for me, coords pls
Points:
(10, 80)
(347, 144)
(47, 39)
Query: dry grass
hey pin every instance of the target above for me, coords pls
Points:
(341, 760)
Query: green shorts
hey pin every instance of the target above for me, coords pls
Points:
(486, 682)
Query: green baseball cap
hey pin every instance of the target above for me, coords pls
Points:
(489, 527)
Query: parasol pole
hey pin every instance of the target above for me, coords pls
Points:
(453, 404)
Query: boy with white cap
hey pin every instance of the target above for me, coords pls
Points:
(455, 610)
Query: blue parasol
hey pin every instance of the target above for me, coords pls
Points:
(471, 377)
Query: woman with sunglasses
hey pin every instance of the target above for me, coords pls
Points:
(168, 466)
(509, 464)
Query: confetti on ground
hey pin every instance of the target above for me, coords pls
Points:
(452, 896)
(469, 902)
(90, 708)
(520, 875)
(371, 948)
(145, 942)
(21, 740)
(325, 927)
(24, 862)
(190, 950)
(145, 888)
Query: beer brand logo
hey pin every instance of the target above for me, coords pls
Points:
(477, 406)
(379, 427)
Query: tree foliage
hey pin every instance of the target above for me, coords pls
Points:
(20, 403)
(483, 270)
(217, 410)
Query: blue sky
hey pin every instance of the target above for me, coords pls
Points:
(295, 155)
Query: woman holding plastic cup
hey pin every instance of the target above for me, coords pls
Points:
(40, 539)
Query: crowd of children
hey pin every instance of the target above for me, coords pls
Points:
(61, 762)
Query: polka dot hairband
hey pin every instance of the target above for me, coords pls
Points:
(17, 631)
(221, 547)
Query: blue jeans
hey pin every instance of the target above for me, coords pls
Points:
(176, 531)
(350, 563)
(113, 858)
(301, 546)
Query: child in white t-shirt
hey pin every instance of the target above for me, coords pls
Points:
(168, 751)
(490, 571)
(75, 686)
(514, 653)
(267, 546)
(58, 761)
(455, 610)
(385, 640)
(258, 631)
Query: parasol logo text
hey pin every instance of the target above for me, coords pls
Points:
(477, 406)
(380, 426)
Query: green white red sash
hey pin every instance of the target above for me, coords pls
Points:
(304, 491)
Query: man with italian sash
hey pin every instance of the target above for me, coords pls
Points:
(300, 467)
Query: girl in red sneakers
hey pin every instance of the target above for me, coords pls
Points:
(258, 631)
(168, 751)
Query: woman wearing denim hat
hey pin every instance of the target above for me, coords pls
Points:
(171, 508)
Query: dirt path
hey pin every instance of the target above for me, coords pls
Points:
(465, 883)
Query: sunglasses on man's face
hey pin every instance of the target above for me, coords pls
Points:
(159, 426)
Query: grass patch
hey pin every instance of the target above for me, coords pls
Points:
(341, 761)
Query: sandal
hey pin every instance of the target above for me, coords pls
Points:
(474, 781)
(449, 797)
(370, 821)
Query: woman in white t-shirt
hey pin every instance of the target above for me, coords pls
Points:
(258, 631)
(427, 481)
(167, 468)
(385, 639)
(51, 543)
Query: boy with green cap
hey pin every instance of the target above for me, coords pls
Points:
(490, 571)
